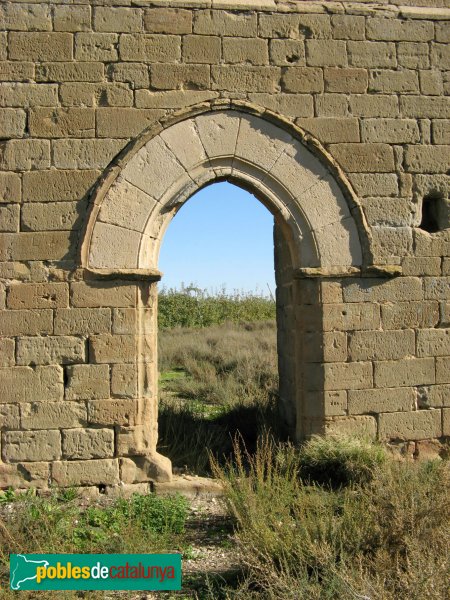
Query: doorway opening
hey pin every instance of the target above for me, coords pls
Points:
(217, 350)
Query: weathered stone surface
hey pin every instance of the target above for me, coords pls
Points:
(407, 372)
(96, 46)
(40, 46)
(38, 295)
(87, 443)
(124, 381)
(381, 345)
(168, 20)
(9, 218)
(12, 122)
(50, 350)
(52, 415)
(400, 315)
(72, 18)
(87, 382)
(26, 322)
(394, 131)
(363, 426)
(400, 289)
(112, 412)
(113, 348)
(364, 157)
(414, 425)
(339, 376)
(10, 187)
(244, 51)
(62, 123)
(57, 185)
(70, 71)
(86, 472)
(124, 122)
(84, 154)
(82, 321)
(95, 294)
(433, 342)
(346, 80)
(205, 49)
(7, 352)
(52, 216)
(371, 54)
(427, 159)
(287, 52)
(31, 446)
(381, 400)
(46, 383)
(150, 48)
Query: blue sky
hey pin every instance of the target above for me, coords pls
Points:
(222, 236)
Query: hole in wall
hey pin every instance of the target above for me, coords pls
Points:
(435, 213)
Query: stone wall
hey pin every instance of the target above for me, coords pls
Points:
(87, 86)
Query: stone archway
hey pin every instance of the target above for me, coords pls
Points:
(318, 224)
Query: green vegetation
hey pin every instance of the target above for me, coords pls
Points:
(61, 522)
(215, 382)
(385, 539)
(194, 307)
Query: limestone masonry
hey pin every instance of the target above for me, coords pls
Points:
(335, 115)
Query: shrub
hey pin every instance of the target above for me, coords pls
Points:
(340, 460)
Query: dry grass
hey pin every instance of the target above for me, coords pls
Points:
(215, 382)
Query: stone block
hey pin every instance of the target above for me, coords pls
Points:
(330, 346)
(203, 48)
(443, 370)
(364, 157)
(399, 30)
(62, 122)
(136, 74)
(85, 154)
(26, 322)
(392, 131)
(45, 383)
(9, 218)
(53, 415)
(175, 77)
(326, 53)
(363, 426)
(26, 475)
(400, 289)
(16, 71)
(415, 425)
(433, 396)
(52, 349)
(125, 122)
(243, 78)
(95, 294)
(436, 288)
(440, 56)
(425, 107)
(99, 47)
(82, 321)
(126, 320)
(389, 81)
(171, 99)
(112, 412)
(371, 54)
(94, 94)
(168, 20)
(86, 472)
(381, 400)
(415, 315)
(24, 155)
(70, 71)
(433, 342)
(25, 17)
(287, 52)
(338, 376)
(228, 23)
(348, 27)
(407, 372)
(9, 416)
(150, 48)
(117, 19)
(113, 348)
(373, 105)
(389, 242)
(87, 382)
(87, 443)
(57, 185)
(38, 295)
(7, 352)
(35, 246)
(388, 212)
(294, 105)
(330, 130)
(431, 83)
(12, 122)
(241, 51)
(124, 381)
(382, 345)
(53, 216)
(72, 18)
(10, 187)
(427, 159)
(347, 81)
(31, 446)
(302, 79)
(340, 317)
(40, 46)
